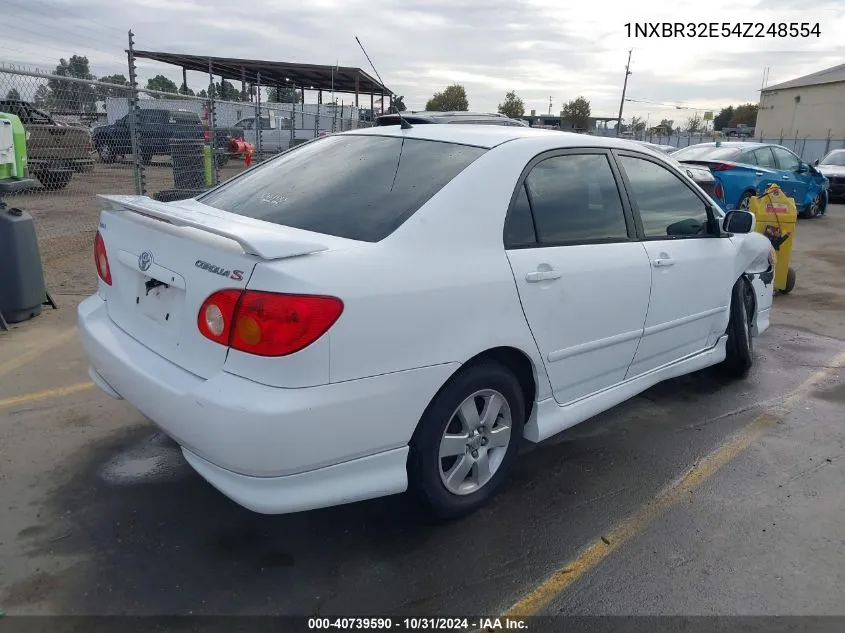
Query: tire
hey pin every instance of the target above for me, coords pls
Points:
(743, 201)
(54, 181)
(740, 346)
(790, 281)
(457, 484)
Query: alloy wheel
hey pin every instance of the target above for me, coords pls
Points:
(475, 442)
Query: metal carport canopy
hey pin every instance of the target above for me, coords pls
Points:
(272, 74)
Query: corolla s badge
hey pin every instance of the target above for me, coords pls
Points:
(145, 260)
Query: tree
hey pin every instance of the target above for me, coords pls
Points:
(745, 114)
(723, 119)
(398, 104)
(694, 124)
(453, 98)
(42, 96)
(577, 113)
(161, 84)
(637, 124)
(226, 91)
(283, 94)
(104, 92)
(75, 96)
(13, 95)
(666, 126)
(184, 90)
(513, 106)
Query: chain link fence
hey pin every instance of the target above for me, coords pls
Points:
(86, 138)
(809, 149)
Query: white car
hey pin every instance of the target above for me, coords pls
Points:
(398, 307)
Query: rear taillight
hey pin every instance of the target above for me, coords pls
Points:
(206, 136)
(722, 166)
(266, 323)
(719, 191)
(101, 260)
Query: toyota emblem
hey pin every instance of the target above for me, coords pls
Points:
(145, 260)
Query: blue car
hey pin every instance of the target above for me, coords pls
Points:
(743, 170)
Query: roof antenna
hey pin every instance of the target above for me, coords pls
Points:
(402, 122)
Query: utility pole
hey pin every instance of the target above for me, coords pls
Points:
(550, 106)
(624, 88)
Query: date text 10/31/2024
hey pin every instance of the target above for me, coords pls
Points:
(418, 624)
(723, 29)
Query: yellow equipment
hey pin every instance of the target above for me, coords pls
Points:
(776, 219)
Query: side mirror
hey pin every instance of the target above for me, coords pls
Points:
(816, 163)
(739, 222)
(802, 168)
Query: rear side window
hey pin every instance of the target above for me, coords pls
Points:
(356, 187)
(574, 198)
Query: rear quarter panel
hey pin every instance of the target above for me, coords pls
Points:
(438, 290)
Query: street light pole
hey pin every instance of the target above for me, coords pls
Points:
(624, 88)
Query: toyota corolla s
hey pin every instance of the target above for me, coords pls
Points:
(397, 308)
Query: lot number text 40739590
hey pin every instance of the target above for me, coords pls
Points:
(722, 29)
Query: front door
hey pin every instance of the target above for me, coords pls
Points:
(692, 264)
(583, 278)
(792, 181)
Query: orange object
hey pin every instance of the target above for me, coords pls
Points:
(241, 147)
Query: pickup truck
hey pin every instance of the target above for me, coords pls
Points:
(55, 151)
(157, 128)
(741, 130)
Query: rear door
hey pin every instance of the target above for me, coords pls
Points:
(583, 278)
(692, 264)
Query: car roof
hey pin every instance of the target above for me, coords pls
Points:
(489, 136)
(737, 144)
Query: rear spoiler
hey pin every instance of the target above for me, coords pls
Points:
(262, 239)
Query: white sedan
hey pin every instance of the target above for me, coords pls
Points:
(397, 308)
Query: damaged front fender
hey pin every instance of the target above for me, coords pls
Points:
(756, 262)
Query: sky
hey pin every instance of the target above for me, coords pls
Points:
(542, 49)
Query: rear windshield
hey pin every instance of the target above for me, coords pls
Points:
(707, 152)
(356, 187)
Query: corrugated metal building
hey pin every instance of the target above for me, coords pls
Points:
(808, 107)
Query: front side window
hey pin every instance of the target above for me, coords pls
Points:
(787, 161)
(668, 208)
(357, 187)
(765, 158)
(574, 198)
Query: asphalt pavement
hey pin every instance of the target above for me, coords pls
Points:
(102, 516)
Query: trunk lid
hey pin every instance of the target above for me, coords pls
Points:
(167, 258)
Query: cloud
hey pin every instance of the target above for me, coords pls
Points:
(540, 48)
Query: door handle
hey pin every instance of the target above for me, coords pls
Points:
(786, 177)
(663, 262)
(542, 275)
(758, 173)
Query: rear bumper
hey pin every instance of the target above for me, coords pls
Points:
(269, 449)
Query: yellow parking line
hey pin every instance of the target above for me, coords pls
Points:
(636, 523)
(44, 395)
(35, 352)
